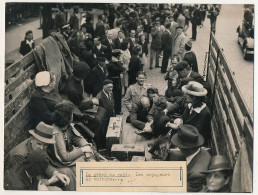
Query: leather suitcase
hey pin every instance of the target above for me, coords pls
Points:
(138, 158)
(125, 152)
(114, 132)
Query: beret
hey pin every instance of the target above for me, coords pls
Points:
(42, 79)
(181, 65)
(189, 43)
(107, 81)
(66, 26)
(116, 51)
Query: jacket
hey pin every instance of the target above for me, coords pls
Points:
(25, 48)
(107, 104)
(156, 39)
(179, 45)
(138, 116)
(166, 41)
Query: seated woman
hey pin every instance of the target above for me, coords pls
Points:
(218, 175)
(197, 112)
(70, 147)
(45, 97)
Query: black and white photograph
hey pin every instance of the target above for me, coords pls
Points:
(128, 81)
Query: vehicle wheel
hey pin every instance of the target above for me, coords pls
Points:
(245, 54)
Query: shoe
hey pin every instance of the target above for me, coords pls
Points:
(151, 68)
(193, 39)
(157, 67)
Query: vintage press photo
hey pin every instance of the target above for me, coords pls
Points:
(128, 97)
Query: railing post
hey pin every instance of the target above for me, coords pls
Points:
(215, 82)
(208, 64)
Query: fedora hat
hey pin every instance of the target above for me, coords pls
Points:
(187, 137)
(218, 163)
(43, 133)
(194, 88)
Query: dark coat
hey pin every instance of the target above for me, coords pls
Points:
(132, 44)
(17, 179)
(102, 52)
(74, 22)
(74, 92)
(200, 163)
(135, 65)
(42, 105)
(109, 48)
(117, 44)
(202, 121)
(166, 41)
(96, 78)
(107, 104)
(88, 57)
(190, 57)
(100, 29)
(144, 47)
(25, 48)
(156, 39)
(138, 115)
(197, 17)
(60, 20)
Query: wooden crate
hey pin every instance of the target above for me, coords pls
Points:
(138, 158)
(114, 132)
(125, 152)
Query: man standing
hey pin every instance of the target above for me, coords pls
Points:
(100, 26)
(155, 44)
(106, 100)
(99, 50)
(60, 17)
(173, 26)
(196, 20)
(109, 43)
(119, 40)
(181, 19)
(74, 20)
(132, 41)
(189, 141)
(179, 44)
(190, 57)
(166, 46)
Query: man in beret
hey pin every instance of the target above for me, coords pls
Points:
(179, 43)
(186, 73)
(189, 141)
(190, 57)
(106, 99)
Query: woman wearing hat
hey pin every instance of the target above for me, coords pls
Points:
(197, 112)
(218, 175)
(27, 44)
(45, 97)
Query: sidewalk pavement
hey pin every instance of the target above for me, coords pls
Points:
(15, 34)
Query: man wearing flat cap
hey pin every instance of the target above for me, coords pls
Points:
(190, 57)
(185, 72)
(42, 136)
(189, 141)
(179, 43)
(115, 69)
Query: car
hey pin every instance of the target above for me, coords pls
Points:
(246, 40)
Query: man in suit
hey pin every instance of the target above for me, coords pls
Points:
(106, 100)
(136, 91)
(140, 32)
(189, 141)
(41, 137)
(100, 26)
(196, 20)
(132, 40)
(74, 20)
(181, 19)
(179, 44)
(108, 41)
(139, 112)
(166, 46)
(99, 50)
(60, 17)
(119, 40)
(190, 57)
(116, 29)
(173, 26)
(155, 44)
(185, 72)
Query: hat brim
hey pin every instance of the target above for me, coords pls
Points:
(42, 139)
(218, 169)
(177, 142)
(194, 93)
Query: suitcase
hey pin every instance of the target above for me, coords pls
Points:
(138, 158)
(114, 132)
(125, 152)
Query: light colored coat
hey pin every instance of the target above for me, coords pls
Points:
(179, 45)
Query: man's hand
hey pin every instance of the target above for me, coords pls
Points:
(87, 149)
(172, 125)
(59, 177)
(178, 121)
(147, 127)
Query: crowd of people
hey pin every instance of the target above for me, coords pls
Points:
(72, 117)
